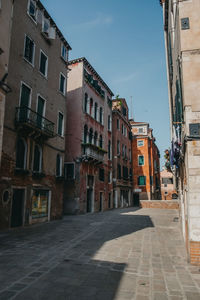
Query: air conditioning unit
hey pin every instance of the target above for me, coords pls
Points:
(194, 129)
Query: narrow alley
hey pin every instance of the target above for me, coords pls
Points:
(119, 254)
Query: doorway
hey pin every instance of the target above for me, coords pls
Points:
(136, 199)
(89, 200)
(17, 208)
(101, 202)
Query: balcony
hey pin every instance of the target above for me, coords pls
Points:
(33, 123)
(93, 153)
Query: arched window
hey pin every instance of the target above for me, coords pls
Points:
(101, 115)
(85, 134)
(37, 163)
(21, 154)
(58, 165)
(109, 150)
(95, 110)
(109, 123)
(91, 106)
(91, 136)
(100, 141)
(86, 103)
(95, 138)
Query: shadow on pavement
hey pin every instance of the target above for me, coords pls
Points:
(80, 257)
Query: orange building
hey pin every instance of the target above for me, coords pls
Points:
(145, 163)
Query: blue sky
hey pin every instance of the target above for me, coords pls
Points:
(123, 40)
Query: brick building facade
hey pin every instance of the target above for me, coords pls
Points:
(88, 159)
(145, 163)
(31, 186)
(122, 167)
(6, 7)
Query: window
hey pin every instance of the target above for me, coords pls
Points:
(118, 124)
(118, 147)
(142, 180)
(101, 174)
(123, 152)
(62, 87)
(101, 115)
(85, 103)
(25, 96)
(40, 112)
(101, 142)
(118, 171)
(29, 50)
(167, 180)
(64, 52)
(21, 154)
(91, 107)
(124, 110)
(109, 123)
(46, 26)
(95, 138)
(90, 136)
(32, 9)
(85, 134)
(95, 110)
(40, 204)
(58, 165)
(140, 143)
(125, 173)
(141, 130)
(109, 200)
(37, 163)
(130, 174)
(109, 150)
(69, 171)
(43, 63)
(140, 160)
(109, 177)
(60, 123)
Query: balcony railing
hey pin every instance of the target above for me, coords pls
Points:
(34, 121)
(93, 153)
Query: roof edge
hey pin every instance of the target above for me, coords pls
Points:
(86, 62)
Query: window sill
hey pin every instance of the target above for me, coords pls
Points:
(61, 93)
(45, 36)
(32, 19)
(27, 61)
(45, 77)
(60, 178)
(61, 136)
(38, 174)
(19, 171)
(62, 58)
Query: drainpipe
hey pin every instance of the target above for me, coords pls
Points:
(167, 67)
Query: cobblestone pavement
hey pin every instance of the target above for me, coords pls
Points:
(120, 254)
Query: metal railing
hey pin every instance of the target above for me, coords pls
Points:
(25, 115)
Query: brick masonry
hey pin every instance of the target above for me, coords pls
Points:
(161, 204)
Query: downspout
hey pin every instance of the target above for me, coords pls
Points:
(167, 66)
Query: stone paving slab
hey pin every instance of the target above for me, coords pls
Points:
(121, 254)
